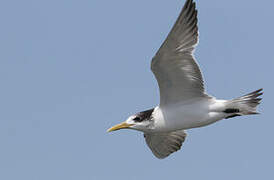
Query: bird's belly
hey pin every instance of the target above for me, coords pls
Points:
(185, 118)
(188, 116)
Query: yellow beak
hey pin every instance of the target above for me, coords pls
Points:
(119, 126)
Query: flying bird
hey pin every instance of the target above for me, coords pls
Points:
(184, 104)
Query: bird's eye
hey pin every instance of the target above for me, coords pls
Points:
(137, 119)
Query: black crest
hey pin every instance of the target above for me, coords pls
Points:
(144, 115)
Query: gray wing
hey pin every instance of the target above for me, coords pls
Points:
(163, 144)
(178, 75)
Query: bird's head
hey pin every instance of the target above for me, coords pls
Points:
(141, 121)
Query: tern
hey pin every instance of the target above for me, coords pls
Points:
(184, 104)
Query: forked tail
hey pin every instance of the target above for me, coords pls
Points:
(244, 105)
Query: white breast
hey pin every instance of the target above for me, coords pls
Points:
(191, 114)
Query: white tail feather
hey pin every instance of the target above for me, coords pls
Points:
(246, 104)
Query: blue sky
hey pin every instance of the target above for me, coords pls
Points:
(71, 69)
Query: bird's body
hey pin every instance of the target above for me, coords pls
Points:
(184, 104)
(194, 113)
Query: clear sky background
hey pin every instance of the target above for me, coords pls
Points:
(71, 69)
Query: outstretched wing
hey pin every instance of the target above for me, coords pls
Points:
(163, 144)
(178, 75)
